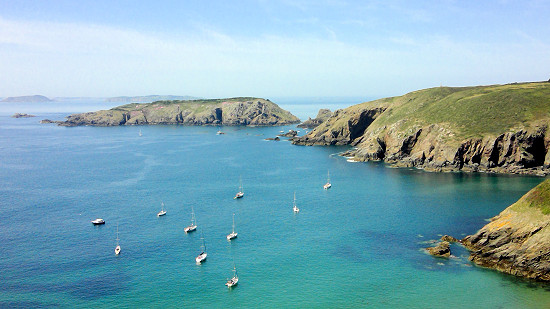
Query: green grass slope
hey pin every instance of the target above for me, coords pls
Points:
(471, 111)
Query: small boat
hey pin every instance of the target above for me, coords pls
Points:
(295, 208)
(202, 256)
(233, 281)
(191, 227)
(327, 185)
(219, 132)
(233, 234)
(240, 193)
(140, 132)
(117, 248)
(162, 212)
(98, 221)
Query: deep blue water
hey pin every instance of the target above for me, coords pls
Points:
(358, 244)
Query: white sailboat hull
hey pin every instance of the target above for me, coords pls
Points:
(200, 258)
(190, 229)
(232, 282)
(232, 236)
(117, 250)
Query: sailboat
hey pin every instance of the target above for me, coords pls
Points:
(327, 185)
(162, 212)
(233, 281)
(191, 227)
(117, 248)
(295, 208)
(140, 132)
(233, 234)
(202, 256)
(240, 193)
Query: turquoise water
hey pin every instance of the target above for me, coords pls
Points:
(356, 245)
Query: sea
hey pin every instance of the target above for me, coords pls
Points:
(359, 244)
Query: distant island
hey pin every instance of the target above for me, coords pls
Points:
(22, 115)
(232, 111)
(498, 129)
(149, 98)
(27, 99)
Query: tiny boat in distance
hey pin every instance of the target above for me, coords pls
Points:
(202, 256)
(233, 234)
(219, 133)
(117, 248)
(98, 221)
(140, 132)
(191, 227)
(162, 212)
(233, 281)
(327, 185)
(295, 208)
(240, 193)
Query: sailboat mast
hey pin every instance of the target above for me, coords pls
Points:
(117, 234)
(233, 223)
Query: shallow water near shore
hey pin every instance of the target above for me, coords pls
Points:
(356, 245)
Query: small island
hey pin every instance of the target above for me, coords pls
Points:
(22, 115)
(246, 111)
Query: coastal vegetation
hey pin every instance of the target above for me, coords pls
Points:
(497, 128)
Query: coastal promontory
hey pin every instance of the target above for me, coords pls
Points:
(517, 241)
(497, 129)
(233, 111)
(27, 99)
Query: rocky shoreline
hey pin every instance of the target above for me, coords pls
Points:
(399, 132)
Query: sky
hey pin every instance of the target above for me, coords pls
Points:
(262, 48)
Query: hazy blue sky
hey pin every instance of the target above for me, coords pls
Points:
(268, 48)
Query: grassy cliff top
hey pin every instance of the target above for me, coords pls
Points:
(468, 112)
(191, 103)
(537, 198)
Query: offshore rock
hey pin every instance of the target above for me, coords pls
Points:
(442, 249)
(290, 133)
(322, 116)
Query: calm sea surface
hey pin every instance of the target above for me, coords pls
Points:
(356, 245)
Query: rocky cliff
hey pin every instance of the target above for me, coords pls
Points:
(517, 241)
(500, 128)
(234, 111)
(322, 116)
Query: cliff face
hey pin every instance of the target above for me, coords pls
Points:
(236, 111)
(501, 129)
(517, 241)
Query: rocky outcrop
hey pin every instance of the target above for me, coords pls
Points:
(236, 111)
(273, 139)
(343, 127)
(290, 133)
(441, 249)
(19, 115)
(322, 116)
(494, 129)
(517, 241)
